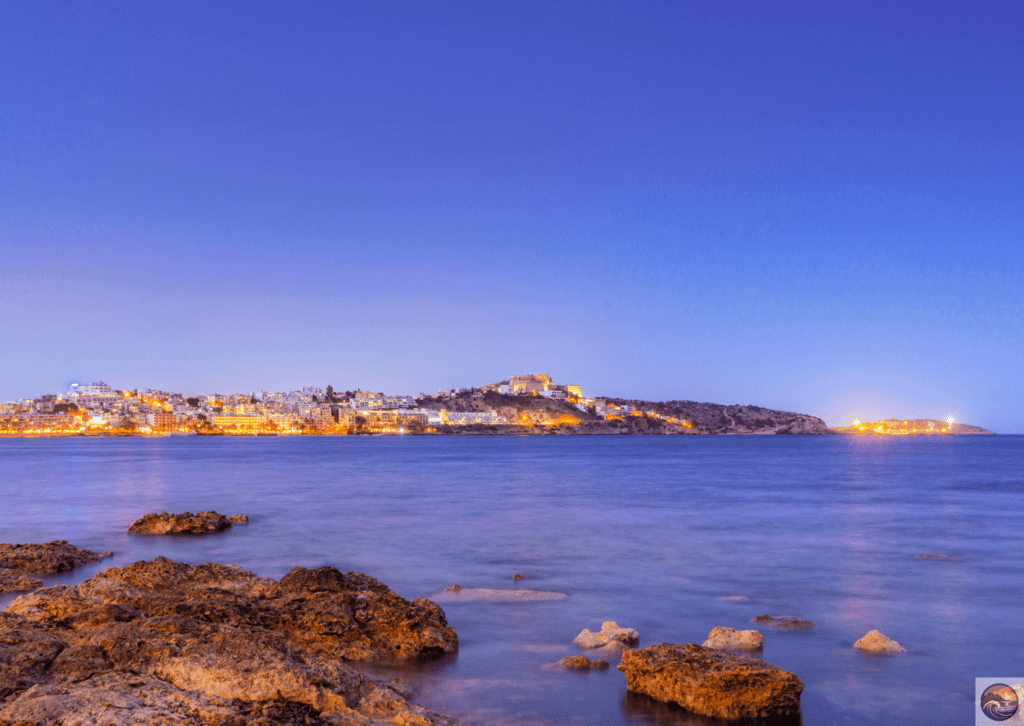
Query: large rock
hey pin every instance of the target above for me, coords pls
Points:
(728, 639)
(876, 642)
(19, 561)
(166, 643)
(712, 682)
(185, 523)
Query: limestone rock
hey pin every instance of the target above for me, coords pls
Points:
(186, 523)
(711, 682)
(167, 643)
(239, 519)
(581, 663)
(610, 632)
(728, 639)
(52, 558)
(875, 642)
(784, 622)
(17, 581)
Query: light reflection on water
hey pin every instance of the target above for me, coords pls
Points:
(660, 534)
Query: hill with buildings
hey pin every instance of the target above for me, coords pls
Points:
(716, 418)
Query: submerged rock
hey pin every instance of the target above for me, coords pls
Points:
(876, 642)
(520, 576)
(712, 682)
(610, 632)
(728, 639)
(494, 594)
(19, 561)
(935, 557)
(167, 643)
(581, 663)
(185, 523)
(784, 622)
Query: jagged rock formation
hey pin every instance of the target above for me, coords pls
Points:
(166, 643)
(712, 682)
(185, 523)
(18, 561)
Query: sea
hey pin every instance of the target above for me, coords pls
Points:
(668, 535)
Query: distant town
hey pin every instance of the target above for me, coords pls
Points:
(100, 409)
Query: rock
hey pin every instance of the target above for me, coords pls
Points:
(239, 519)
(186, 523)
(453, 588)
(17, 581)
(712, 682)
(875, 642)
(52, 558)
(520, 577)
(935, 557)
(784, 622)
(610, 631)
(581, 663)
(167, 643)
(728, 639)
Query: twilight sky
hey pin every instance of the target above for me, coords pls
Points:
(808, 206)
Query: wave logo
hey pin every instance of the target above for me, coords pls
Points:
(999, 702)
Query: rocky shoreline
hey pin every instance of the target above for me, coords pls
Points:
(161, 642)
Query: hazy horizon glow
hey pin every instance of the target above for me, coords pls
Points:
(802, 207)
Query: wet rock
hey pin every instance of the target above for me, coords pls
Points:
(876, 642)
(784, 622)
(728, 639)
(581, 663)
(520, 577)
(711, 682)
(52, 558)
(185, 523)
(166, 643)
(610, 631)
(239, 519)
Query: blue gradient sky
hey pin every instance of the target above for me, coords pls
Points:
(815, 206)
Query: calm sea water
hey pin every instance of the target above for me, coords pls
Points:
(656, 533)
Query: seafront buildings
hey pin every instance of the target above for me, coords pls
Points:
(98, 408)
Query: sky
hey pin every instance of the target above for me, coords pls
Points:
(814, 207)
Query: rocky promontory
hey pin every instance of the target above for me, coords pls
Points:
(167, 643)
(18, 562)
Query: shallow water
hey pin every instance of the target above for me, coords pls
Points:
(668, 535)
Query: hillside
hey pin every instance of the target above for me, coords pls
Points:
(716, 418)
(549, 416)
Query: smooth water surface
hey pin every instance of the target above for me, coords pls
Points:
(662, 534)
